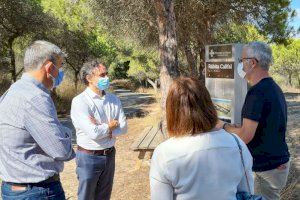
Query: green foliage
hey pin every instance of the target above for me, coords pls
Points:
(86, 39)
(274, 19)
(20, 19)
(81, 28)
(76, 14)
(139, 60)
(123, 34)
(119, 70)
(238, 33)
(146, 63)
(287, 61)
(199, 23)
(102, 47)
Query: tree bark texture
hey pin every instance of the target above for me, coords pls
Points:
(11, 54)
(166, 22)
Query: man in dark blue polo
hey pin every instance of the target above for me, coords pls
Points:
(264, 124)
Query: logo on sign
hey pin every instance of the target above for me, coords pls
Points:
(220, 52)
(211, 53)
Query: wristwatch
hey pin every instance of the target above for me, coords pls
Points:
(223, 127)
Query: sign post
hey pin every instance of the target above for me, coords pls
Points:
(226, 88)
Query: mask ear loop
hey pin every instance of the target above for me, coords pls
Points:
(251, 68)
(53, 79)
(53, 70)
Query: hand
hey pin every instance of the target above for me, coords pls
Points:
(113, 124)
(93, 120)
(220, 124)
(282, 167)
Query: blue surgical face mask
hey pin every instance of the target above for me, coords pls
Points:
(58, 80)
(103, 83)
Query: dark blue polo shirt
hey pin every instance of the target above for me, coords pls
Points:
(265, 104)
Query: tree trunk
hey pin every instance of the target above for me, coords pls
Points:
(191, 59)
(153, 84)
(290, 79)
(11, 54)
(166, 21)
(76, 72)
(298, 78)
(21, 70)
(202, 64)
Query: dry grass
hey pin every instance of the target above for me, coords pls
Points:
(147, 91)
(125, 84)
(65, 93)
(290, 89)
(292, 190)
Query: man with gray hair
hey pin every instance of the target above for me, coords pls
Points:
(98, 118)
(33, 143)
(264, 124)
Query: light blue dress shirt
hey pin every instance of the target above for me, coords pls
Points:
(33, 143)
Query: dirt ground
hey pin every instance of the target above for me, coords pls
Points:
(131, 178)
(292, 190)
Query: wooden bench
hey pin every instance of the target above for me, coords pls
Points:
(147, 141)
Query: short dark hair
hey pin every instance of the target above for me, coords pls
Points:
(189, 108)
(87, 69)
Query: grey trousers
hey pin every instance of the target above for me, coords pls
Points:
(270, 183)
(95, 174)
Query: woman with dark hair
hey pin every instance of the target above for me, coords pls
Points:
(198, 161)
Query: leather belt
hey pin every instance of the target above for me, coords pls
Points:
(51, 179)
(103, 152)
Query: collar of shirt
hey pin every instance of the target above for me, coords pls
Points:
(94, 95)
(28, 78)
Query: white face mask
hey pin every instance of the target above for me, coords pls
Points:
(240, 70)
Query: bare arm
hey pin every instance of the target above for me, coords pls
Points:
(246, 132)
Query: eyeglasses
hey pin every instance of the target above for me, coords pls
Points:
(60, 68)
(103, 74)
(241, 59)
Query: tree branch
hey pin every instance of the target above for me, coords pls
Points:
(19, 72)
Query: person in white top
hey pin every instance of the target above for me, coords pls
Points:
(98, 118)
(198, 161)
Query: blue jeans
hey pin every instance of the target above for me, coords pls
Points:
(50, 191)
(95, 174)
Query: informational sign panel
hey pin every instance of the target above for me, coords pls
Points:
(220, 70)
(226, 88)
(223, 107)
(220, 51)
